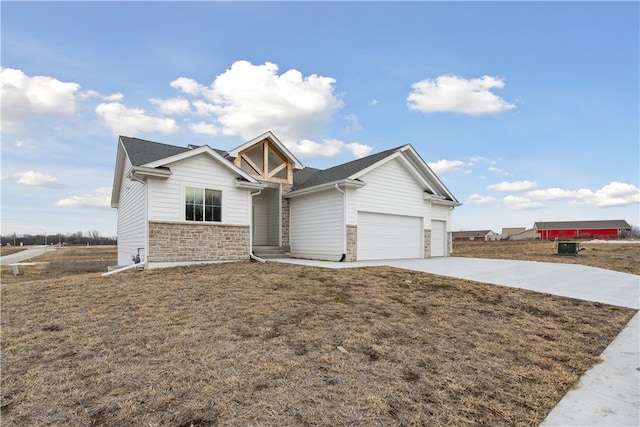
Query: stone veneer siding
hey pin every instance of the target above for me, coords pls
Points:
(427, 243)
(180, 242)
(286, 188)
(352, 243)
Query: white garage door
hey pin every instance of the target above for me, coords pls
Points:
(438, 238)
(383, 236)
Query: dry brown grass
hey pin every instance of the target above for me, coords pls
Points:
(260, 344)
(63, 262)
(624, 257)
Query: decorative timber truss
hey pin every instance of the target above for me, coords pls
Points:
(265, 162)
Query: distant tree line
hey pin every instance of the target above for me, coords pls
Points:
(91, 237)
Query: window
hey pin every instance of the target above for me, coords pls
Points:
(203, 205)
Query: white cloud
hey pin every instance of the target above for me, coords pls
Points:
(129, 121)
(249, 99)
(188, 86)
(99, 198)
(204, 128)
(354, 125)
(444, 166)
(512, 186)
(612, 194)
(171, 106)
(95, 94)
(37, 179)
(451, 93)
(551, 194)
(479, 199)
(358, 150)
(328, 148)
(498, 171)
(373, 102)
(521, 203)
(25, 97)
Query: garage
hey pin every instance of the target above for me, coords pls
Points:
(438, 238)
(382, 236)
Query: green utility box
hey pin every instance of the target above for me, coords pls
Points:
(568, 248)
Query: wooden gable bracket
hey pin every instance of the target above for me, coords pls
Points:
(260, 166)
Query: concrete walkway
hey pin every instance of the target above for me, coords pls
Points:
(609, 393)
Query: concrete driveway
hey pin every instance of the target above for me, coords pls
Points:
(609, 393)
(30, 252)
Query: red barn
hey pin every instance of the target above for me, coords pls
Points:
(607, 229)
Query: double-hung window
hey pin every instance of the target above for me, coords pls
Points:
(202, 204)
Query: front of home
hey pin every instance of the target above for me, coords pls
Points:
(182, 205)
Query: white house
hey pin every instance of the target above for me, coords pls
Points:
(183, 205)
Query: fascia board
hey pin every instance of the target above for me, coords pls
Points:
(376, 165)
(146, 172)
(427, 171)
(440, 200)
(268, 135)
(117, 175)
(205, 149)
(250, 185)
(406, 163)
(348, 183)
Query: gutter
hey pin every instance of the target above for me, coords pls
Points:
(353, 183)
(344, 222)
(132, 176)
(128, 267)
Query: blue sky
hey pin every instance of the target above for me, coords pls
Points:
(527, 111)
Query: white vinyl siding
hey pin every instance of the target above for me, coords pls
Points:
(167, 196)
(317, 225)
(389, 189)
(382, 236)
(273, 217)
(132, 225)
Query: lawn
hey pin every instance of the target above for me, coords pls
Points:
(274, 344)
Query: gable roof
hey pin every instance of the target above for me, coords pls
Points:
(473, 233)
(349, 174)
(150, 154)
(582, 225)
(142, 151)
(149, 158)
(270, 136)
(305, 179)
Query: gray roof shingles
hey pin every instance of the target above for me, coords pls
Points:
(141, 152)
(306, 179)
(584, 225)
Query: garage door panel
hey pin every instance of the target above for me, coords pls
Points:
(382, 236)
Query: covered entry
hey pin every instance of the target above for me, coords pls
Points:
(266, 218)
(382, 236)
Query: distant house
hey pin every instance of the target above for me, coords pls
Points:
(530, 234)
(606, 229)
(508, 231)
(182, 205)
(476, 235)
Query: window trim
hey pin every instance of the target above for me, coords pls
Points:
(203, 189)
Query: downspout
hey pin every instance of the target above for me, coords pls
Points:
(146, 220)
(344, 223)
(251, 254)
